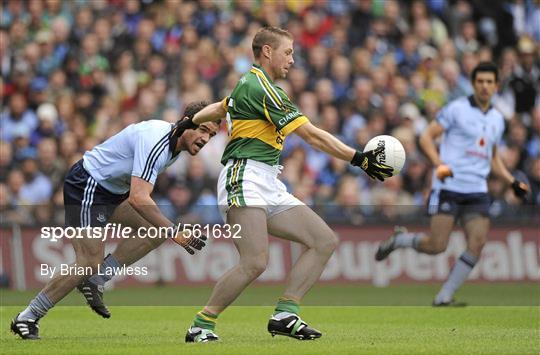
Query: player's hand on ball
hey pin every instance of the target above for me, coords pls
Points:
(367, 161)
(443, 171)
(520, 189)
(189, 242)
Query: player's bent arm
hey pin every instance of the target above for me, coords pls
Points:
(427, 141)
(324, 141)
(139, 198)
(498, 168)
(212, 112)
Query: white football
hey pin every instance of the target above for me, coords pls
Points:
(394, 153)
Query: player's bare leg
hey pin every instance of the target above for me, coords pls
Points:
(300, 224)
(476, 229)
(433, 243)
(127, 252)
(253, 251)
(88, 255)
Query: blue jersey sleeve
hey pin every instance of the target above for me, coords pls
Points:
(445, 117)
(150, 154)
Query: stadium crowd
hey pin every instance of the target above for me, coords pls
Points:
(76, 72)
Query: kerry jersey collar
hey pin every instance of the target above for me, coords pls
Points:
(259, 68)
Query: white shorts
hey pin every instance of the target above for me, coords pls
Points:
(246, 182)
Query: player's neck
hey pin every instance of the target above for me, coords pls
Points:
(484, 106)
(179, 146)
(266, 68)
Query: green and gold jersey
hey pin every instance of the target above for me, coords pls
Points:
(259, 117)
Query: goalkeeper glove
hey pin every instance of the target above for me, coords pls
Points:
(520, 189)
(190, 243)
(367, 161)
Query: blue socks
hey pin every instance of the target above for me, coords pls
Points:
(457, 277)
(407, 240)
(37, 308)
(108, 269)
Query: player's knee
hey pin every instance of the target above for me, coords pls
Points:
(439, 248)
(436, 247)
(477, 245)
(328, 244)
(253, 267)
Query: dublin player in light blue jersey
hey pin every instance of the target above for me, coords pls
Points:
(113, 182)
(471, 130)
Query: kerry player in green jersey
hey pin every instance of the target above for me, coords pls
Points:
(259, 116)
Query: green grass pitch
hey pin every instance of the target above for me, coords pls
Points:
(502, 319)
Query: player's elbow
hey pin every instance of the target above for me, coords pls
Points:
(137, 200)
(310, 134)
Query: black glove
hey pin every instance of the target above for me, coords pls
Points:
(367, 161)
(191, 243)
(183, 125)
(194, 243)
(520, 189)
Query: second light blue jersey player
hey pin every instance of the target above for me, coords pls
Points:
(471, 129)
(467, 144)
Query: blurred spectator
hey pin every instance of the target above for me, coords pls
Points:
(391, 201)
(16, 117)
(37, 188)
(54, 169)
(360, 23)
(348, 207)
(523, 90)
(466, 40)
(457, 84)
(49, 126)
(10, 211)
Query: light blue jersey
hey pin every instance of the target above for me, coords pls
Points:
(140, 150)
(467, 144)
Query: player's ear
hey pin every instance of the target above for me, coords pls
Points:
(267, 50)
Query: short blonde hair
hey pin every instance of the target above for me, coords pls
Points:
(270, 36)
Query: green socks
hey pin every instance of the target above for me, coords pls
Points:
(208, 321)
(287, 305)
(205, 320)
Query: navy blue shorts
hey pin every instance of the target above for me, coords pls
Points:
(458, 204)
(86, 202)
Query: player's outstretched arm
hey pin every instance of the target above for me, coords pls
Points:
(498, 168)
(212, 112)
(329, 144)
